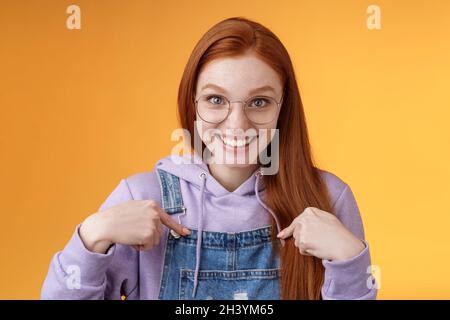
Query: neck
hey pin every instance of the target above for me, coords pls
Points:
(231, 177)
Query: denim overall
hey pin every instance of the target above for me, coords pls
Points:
(234, 265)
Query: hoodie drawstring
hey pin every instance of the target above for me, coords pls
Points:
(199, 234)
(258, 174)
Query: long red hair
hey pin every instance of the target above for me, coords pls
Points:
(298, 183)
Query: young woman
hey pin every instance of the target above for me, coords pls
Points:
(224, 229)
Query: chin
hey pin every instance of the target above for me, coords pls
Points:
(238, 166)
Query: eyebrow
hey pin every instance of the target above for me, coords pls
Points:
(260, 89)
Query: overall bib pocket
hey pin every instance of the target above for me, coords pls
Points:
(249, 284)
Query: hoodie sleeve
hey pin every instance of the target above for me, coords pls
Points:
(349, 279)
(77, 273)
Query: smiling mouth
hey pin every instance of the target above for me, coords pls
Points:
(235, 142)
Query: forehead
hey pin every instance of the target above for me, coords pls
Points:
(239, 75)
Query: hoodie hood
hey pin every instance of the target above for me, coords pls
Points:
(190, 167)
(212, 206)
(194, 176)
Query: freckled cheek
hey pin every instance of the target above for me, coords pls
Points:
(266, 133)
(206, 130)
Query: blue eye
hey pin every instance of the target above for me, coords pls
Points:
(259, 102)
(215, 99)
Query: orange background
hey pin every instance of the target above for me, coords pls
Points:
(82, 109)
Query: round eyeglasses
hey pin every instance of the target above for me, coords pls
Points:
(214, 108)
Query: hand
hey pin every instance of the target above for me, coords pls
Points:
(136, 222)
(321, 234)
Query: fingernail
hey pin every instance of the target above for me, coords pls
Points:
(280, 235)
(186, 230)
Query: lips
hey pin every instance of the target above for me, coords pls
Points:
(235, 142)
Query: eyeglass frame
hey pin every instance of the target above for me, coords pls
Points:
(245, 105)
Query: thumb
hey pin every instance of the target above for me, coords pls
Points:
(286, 232)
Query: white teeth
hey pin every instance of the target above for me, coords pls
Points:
(238, 142)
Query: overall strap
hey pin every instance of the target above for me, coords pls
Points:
(172, 200)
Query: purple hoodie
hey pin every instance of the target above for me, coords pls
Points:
(137, 274)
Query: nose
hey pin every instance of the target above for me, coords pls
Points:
(237, 118)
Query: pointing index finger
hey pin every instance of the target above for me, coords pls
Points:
(172, 224)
